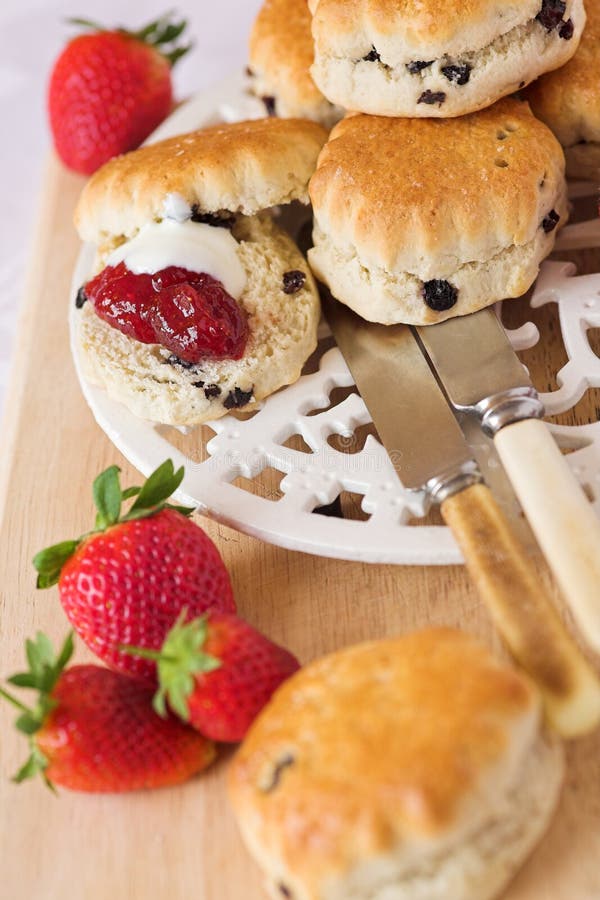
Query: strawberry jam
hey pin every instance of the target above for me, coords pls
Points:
(189, 313)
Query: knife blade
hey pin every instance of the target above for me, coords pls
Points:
(465, 345)
(429, 452)
(482, 375)
(387, 364)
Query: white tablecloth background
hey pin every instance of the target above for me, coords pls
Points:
(31, 36)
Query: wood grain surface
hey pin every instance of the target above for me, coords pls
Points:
(182, 843)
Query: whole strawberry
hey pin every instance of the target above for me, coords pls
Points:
(95, 730)
(126, 581)
(217, 672)
(109, 89)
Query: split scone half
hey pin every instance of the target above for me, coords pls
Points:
(281, 54)
(420, 58)
(415, 768)
(417, 220)
(568, 101)
(199, 203)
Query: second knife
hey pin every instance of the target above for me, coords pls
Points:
(430, 454)
(482, 375)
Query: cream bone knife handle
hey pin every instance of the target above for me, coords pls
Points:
(522, 612)
(560, 515)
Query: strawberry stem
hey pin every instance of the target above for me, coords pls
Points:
(145, 653)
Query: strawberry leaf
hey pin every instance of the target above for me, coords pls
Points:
(44, 667)
(66, 652)
(23, 679)
(144, 33)
(39, 654)
(170, 33)
(177, 53)
(34, 765)
(27, 723)
(45, 670)
(181, 660)
(183, 510)
(130, 492)
(151, 498)
(156, 34)
(16, 703)
(50, 561)
(158, 488)
(107, 497)
(28, 770)
(85, 23)
(159, 703)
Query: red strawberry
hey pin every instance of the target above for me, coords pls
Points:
(95, 730)
(217, 672)
(127, 581)
(109, 89)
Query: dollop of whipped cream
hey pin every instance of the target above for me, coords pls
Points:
(176, 207)
(187, 245)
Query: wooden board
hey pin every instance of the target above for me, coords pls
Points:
(182, 843)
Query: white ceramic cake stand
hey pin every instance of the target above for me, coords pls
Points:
(315, 476)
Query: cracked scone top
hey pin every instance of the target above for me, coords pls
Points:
(568, 101)
(420, 58)
(243, 167)
(224, 177)
(417, 220)
(281, 54)
(414, 768)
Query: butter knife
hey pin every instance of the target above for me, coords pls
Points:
(430, 454)
(482, 375)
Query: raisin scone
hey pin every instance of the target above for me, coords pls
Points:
(281, 54)
(414, 768)
(420, 58)
(200, 303)
(568, 101)
(417, 220)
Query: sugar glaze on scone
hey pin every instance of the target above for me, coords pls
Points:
(417, 220)
(281, 54)
(412, 768)
(568, 101)
(420, 58)
(201, 197)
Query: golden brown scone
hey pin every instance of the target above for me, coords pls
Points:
(412, 768)
(568, 101)
(418, 58)
(283, 333)
(199, 203)
(417, 220)
(281, 54)
(243, 167)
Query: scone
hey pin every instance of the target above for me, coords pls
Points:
(420, 58)
(200, 303)
(417, 220)
(414, 768)
(281, 54)
(568, 101)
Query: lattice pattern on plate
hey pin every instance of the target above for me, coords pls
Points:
(280, 472)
